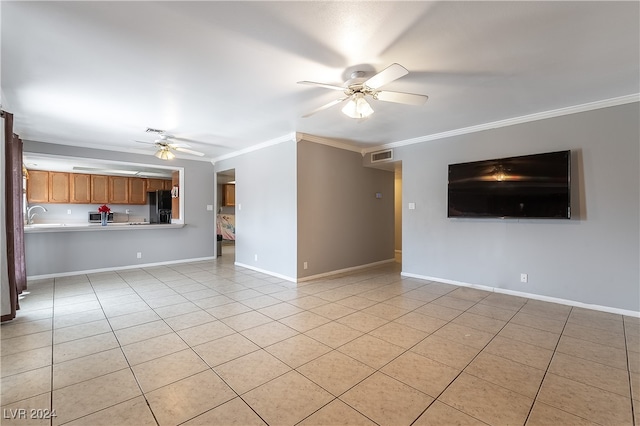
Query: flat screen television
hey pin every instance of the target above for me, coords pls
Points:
(528, 186)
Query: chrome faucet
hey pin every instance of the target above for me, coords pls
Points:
(31, 215)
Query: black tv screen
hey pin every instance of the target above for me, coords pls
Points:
(529, 186)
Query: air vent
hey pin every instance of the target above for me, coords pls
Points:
(379, 156)
(150, 130)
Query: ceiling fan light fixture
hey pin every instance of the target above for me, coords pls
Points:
(357, 107)
(165, 154)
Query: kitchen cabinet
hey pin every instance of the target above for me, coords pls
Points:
(155, 184)
(168, 184)
(79, 188)
(118, 190)
(58, 187)
(38, 186)
(99, 189)
(228, 195)
(175, 201)
(137, 191)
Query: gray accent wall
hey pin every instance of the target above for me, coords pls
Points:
(341, 223)
(266, 208)
(68, 252)
(592, 258)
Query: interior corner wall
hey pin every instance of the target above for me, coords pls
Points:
(265, 208)
(341, 223)
(592, 258)
(5, 290)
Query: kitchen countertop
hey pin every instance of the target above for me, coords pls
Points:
(73, 227)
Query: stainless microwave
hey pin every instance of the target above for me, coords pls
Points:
(95, 217)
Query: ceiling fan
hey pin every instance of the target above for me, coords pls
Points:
(166, 146)
(359, 87)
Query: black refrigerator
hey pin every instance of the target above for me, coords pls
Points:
(159, 206)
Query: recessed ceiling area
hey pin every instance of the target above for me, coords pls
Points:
(222, 76)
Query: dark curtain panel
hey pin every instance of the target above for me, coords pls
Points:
(14, 217)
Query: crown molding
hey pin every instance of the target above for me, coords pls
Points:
(627, 99)
(271, 142)
(336, 143)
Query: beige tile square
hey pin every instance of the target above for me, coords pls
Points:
(333, 334)
(420, 322)
(137, 333)
(130, 320)
(308, 302)
(335, 372)
(485, 401)
(453, 303)
(191, 319)
(261, 301)
(439, 414)
(468, 293)
(25, 361)
(386, 311)
(183, 400)
(438, 311)
(446, 351)
(479, 322)
(297, 350)
(82, 347)
(280, 310)
(333, 311)
(120, 309)
(356, 302)
(371, 351)
(149, 349)
(287, 399)
(591, 373)
(524, 353)
(421, 373)
(336, 413)
(206, 332)
(168, 369)
(530, 335)
(593, 352)
(509, 374)
(132, 412)
(87, 397)
(246, 320)
(88, 367)
(406, 302)
(504, 301)
(546, 310)
(228, 310)
(387, 401)
(541, 323)
(466, 335)
(490, 311)
(26, 343)
(268, 334)
(399, 334)
(585, 401)
(594, 335)
(10, 330)
(175, 310)
(362, 322)
(304, 321)
(25, 385)
(232, 413)
(251, 370)
(225, 349)
(546, 415)
(18, 413)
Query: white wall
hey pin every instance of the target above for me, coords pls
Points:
(265, 208)
(592, 258)
(68, 252)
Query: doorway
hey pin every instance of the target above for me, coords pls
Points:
(226, 215)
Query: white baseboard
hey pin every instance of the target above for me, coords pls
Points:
(345, 270)
(263, 271)
(527, 295)
(116, 268)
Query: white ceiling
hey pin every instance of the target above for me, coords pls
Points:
(223, 74)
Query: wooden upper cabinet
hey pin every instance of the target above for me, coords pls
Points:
(38, 186)
(58, 187)
(167, 184)
(155, 184)
(118, 190)
(229, 195)
(99, 189)
(80, 188)
(137, 191)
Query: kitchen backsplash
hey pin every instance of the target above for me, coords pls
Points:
(58, 213)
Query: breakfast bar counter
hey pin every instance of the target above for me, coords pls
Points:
(83, 227)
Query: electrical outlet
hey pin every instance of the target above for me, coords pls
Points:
(69, 211)
(139, 255)
(255, 257)
(305, 265)
(524, 278)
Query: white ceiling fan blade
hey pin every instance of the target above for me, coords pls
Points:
(178, 145)
(326, 86)
(189, 151)
(387, 75)
(323, 107)
(145, 142)
(401, 98)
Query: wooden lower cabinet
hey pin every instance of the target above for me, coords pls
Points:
(99, 189)
(80, 188)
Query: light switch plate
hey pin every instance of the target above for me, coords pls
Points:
(412, 206)
(210, 207)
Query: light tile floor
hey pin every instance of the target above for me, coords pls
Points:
(209, 343)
